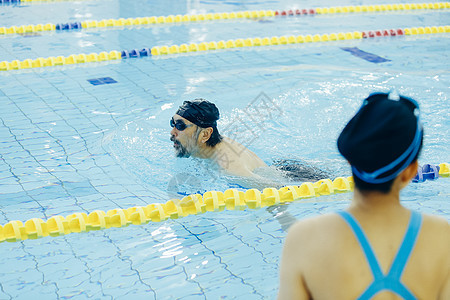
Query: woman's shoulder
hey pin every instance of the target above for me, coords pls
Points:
(316, 228)
(312, 239)
(436, 226)
(318, 221)
(435, 220)
(436, 223)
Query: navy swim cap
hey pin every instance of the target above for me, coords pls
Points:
(383, 138)
(200, 112)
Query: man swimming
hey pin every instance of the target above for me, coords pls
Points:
(194, 133)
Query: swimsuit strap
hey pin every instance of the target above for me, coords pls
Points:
(409, 241)
(391, 281)
(364, 243)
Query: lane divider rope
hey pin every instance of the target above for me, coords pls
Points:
(35, 1)
(211, 201)
(173, 19)
(212, 46)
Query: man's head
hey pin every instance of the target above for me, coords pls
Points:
(194, 128)
(381, 140)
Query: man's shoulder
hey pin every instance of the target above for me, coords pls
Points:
(237, 158)
(233, 145)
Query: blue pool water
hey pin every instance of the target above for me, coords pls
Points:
(67, 145)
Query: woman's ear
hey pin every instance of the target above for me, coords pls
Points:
(410, 172)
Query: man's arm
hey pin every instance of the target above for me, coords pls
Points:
(292, 284)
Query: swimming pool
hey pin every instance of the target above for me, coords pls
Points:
(73, 141)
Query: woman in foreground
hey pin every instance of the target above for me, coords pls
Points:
(376, 248)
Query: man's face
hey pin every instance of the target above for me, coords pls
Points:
(183, 136)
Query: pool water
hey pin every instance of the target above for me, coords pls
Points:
(71, 142)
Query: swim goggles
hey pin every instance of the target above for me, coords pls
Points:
(387, 172)
(179, 124)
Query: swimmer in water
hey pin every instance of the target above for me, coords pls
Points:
(194, 134)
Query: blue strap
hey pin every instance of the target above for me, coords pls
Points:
(386, 284)
(363, 241)
(406, 247)
(391, 281)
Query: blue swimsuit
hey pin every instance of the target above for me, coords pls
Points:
(391, 281)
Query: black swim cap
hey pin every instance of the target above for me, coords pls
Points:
(200, 112)
(383, 138)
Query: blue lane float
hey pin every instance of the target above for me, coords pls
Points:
(427, 172)
(68, 26)
(136, 53)
(9, 1)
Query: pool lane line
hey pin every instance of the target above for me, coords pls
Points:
(211, 201)
(370, 57)
(205, 47)
(178, 19)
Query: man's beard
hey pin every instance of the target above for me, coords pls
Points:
(180, 150)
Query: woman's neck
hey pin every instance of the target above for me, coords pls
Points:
(371, 204)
